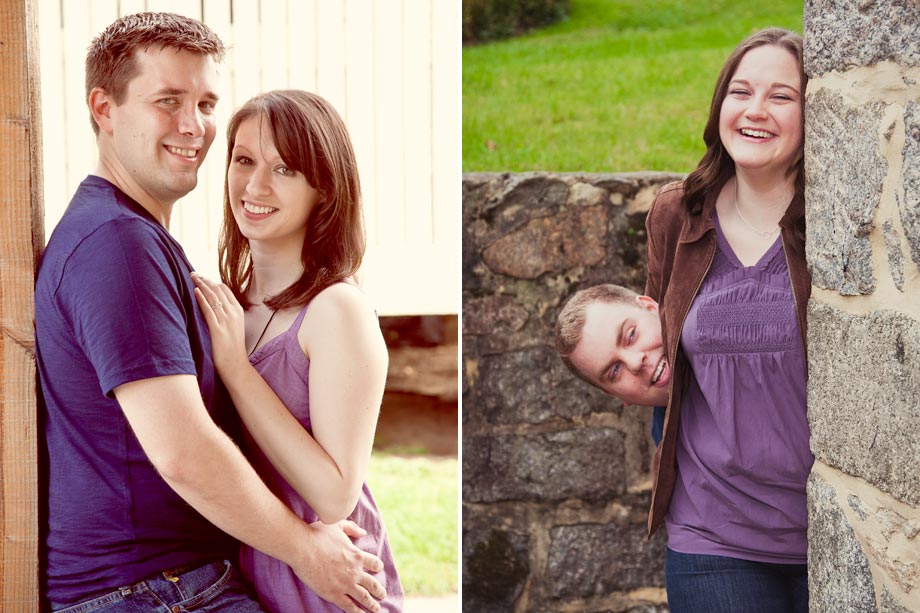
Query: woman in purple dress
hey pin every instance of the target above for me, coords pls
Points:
(294, 339)
(726, 263)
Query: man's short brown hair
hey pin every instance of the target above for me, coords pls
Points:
(111, 62)
(571, 320)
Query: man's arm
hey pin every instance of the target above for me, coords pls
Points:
(209, 472)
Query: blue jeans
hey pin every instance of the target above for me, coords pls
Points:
(699, 583)
(658, 424)
(213, 587)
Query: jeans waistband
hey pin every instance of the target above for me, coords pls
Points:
(175, 584)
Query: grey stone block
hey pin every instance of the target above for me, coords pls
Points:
(588, 560)
(495, 568)
(838, 572)
(864, 382)
(840, 34)
(910, 205)
(844, 171)
(575, 237)
(514, 199)
(496, 314)
(587, 463)
(533, 386)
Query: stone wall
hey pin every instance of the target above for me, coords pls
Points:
(556, 478)
(862, 123)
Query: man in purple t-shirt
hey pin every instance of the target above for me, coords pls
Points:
(144, 484)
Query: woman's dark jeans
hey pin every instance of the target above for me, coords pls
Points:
(699, 583)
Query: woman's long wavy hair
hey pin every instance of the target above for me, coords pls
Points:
(717, 166)
(311, 138)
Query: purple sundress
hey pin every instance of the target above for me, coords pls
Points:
(743, 452)
(282, 363)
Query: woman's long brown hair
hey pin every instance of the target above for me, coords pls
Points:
(312, 139)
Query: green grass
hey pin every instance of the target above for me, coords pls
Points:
(418, 499)
(621, 85)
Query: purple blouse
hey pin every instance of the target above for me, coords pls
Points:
(743, 454)
(282, 363)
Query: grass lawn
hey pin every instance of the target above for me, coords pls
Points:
(621, 85)
(417, 496)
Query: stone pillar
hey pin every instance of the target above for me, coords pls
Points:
(862, 161)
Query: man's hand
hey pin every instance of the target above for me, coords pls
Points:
(338, 571)
(183, 443)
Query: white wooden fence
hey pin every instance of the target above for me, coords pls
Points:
(390, 67)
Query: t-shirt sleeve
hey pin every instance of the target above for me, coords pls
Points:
(121, 290)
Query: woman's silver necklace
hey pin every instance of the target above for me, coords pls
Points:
(760, 233)
(261, 336)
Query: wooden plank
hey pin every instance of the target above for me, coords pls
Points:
(180, 7)
(302, 44)
(21, 239)
(445, 127)
(54, 111)
(330, 60)
(417, 123)
(129, 7)
(244, 51)
(411, 279)
(79, 145)
(101, 14)
(390, 155)
(359, 110)
(276, 31)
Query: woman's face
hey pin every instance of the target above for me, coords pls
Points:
(269, 200)
(760, 123)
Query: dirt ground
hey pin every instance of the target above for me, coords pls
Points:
(420, 411)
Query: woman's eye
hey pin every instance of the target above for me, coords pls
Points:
(615, 371)
(631, 335)
(242, 159)
(285, 171)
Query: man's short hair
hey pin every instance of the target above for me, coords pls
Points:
(571, 320)
(111, 62)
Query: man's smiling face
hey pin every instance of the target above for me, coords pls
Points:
(622, 353)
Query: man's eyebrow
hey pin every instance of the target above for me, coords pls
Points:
(607, 367)
(176, 91)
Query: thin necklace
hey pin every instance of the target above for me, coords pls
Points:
(261, 336)
(760, 233)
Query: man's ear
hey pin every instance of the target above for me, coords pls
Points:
(647, 303)
(100, 105)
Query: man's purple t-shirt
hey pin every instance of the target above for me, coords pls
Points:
(743, 455)
(114, 303)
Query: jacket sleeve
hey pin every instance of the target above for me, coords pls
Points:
(654, 250)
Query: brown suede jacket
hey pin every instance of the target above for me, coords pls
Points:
(681, 247)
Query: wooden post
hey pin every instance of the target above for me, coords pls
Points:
(21, 238)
